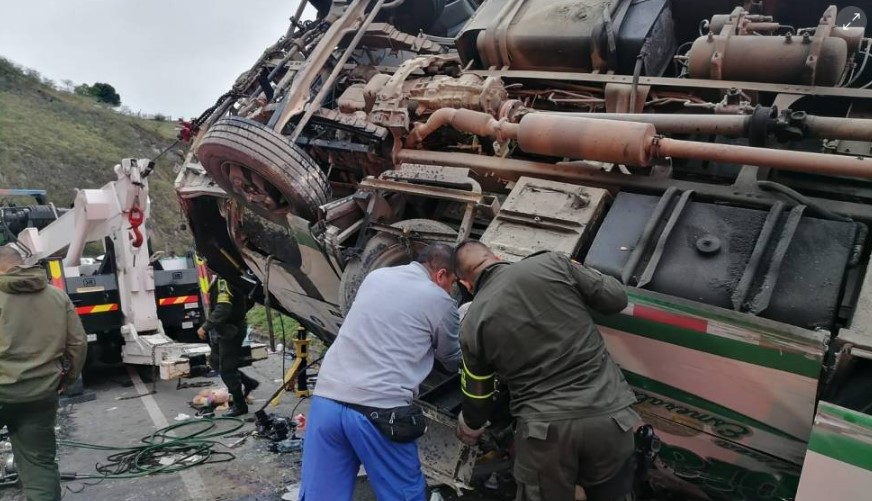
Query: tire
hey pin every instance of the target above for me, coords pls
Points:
(416, 15)
(381, 251)
(261, 168)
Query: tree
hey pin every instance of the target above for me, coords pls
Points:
(83, 90)
(105, 93)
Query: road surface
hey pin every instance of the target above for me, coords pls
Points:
(119, 417)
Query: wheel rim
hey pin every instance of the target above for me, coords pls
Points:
(253, 188)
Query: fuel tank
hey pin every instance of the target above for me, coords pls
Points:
(569, 35)
(781, 264)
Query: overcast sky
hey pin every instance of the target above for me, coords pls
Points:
(162, 56)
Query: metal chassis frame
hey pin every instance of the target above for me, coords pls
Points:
(387, 182)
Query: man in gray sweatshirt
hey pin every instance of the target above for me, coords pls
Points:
(401, 319)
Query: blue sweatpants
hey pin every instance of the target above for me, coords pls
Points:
(338, 439)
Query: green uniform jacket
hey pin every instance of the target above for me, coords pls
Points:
(39, 328)
(229, 308)
(530, 325)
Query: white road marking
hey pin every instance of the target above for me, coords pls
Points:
(191, 477)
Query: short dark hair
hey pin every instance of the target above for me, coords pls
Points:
(461, 249)
(437, 256)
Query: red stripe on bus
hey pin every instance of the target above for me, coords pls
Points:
(691, 323)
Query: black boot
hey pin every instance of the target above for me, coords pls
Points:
(237, 410)
(239, 406)
(249, 384)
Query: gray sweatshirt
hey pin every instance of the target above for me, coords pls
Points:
(399, 321)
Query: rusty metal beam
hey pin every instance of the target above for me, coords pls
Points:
(508, 169)
(685, 83)
(797, 161)
(438, 192)
(300, 90)
(854, 129)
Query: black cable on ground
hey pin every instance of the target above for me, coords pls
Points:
(179, 452)
(294, 410)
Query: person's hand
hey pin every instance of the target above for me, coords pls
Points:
(201, 334)
(466, 434)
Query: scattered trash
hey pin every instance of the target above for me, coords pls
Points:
(210, 400)
(293, 493)
(182, 417)
(492, 482)
(111, 409)
(436, 496)
(279, 347)
(292, 444)
(198, 384)
(300, 424)
(240, 441)
(180, 458)
(274, 428)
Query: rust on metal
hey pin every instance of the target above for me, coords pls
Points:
(625, 143)
(797, 161)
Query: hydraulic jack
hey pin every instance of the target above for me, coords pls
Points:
(295, 378)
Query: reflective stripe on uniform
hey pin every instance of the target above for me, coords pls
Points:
(224, 294)
(477, 387)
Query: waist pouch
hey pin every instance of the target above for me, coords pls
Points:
(400, 424)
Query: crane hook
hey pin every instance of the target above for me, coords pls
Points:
(136, 217)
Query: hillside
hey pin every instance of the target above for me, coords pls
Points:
(58, 141)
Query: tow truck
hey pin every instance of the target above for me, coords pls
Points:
(134, 306)
(715, 156)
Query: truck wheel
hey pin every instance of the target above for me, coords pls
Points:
(416, 15)
(263, 169)
(384, 250)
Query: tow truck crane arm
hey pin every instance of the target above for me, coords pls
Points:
(119, 211)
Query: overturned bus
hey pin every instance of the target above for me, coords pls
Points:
(713, 155)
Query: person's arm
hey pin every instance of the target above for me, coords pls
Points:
(76, 346)
(601, 292)
(446, 343)
(478, 384)
(222, 309)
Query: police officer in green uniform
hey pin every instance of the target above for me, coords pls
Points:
(226, 327)
(40, 334)
(530, 326)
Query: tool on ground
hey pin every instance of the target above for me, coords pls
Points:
(275, 428)
(295, 378)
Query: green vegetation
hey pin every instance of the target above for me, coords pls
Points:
(281, 323)
(102, 92)
(58, 141)
(284, 329)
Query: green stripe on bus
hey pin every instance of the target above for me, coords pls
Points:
(841, 448)
(847, 415)
(795, 363)
(681, 396)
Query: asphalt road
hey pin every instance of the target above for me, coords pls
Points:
(119, 417)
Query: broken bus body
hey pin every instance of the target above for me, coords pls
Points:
(712, 155)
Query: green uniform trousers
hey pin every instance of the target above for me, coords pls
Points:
(551, 458)
(32, 432)
(226, 347)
